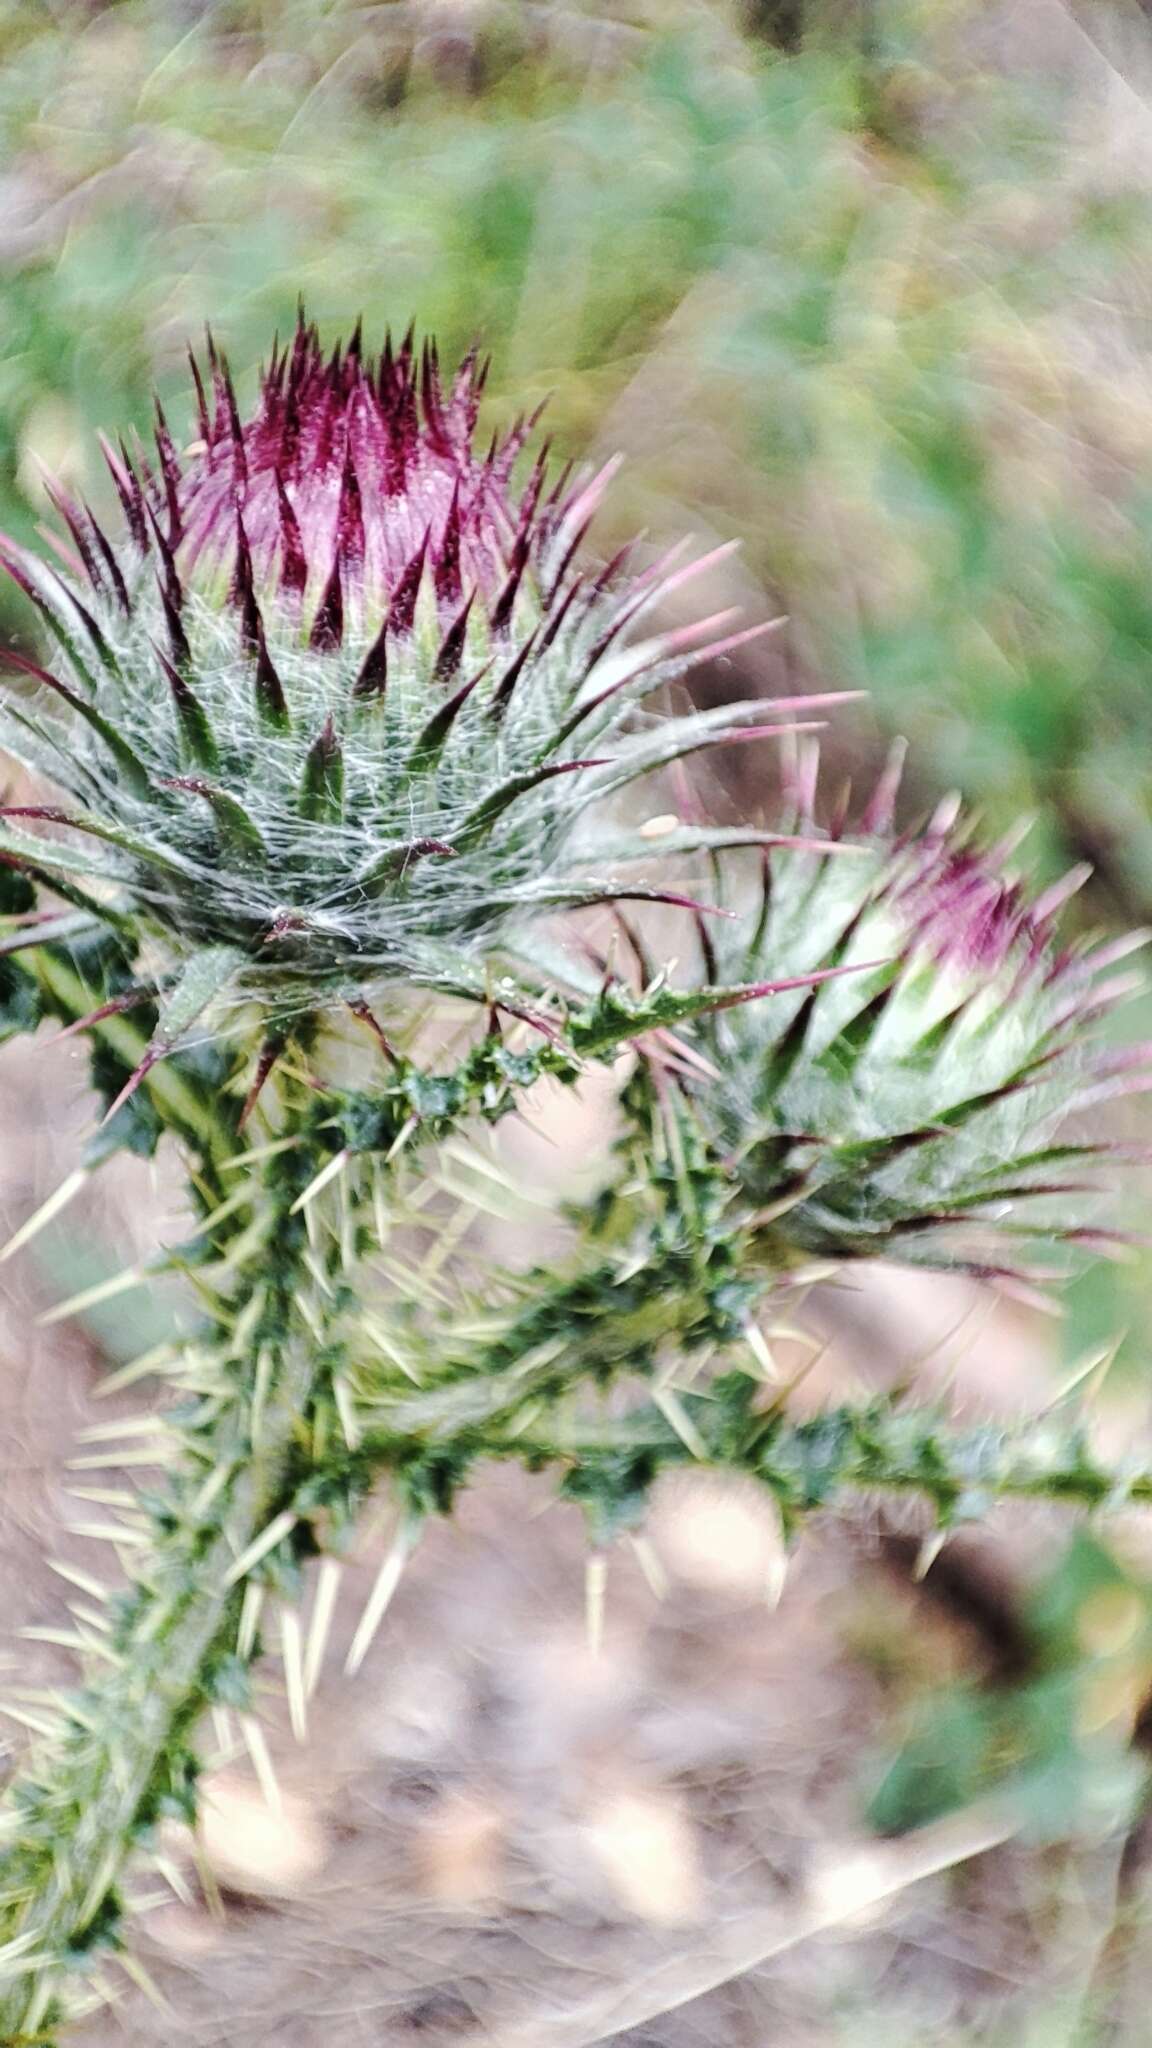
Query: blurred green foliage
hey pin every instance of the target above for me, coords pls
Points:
(1060, 1731)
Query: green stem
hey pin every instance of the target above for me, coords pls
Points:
(121, 1755)
(879, 1447)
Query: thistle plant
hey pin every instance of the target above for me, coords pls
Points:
(326, 739)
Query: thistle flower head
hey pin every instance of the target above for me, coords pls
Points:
(331, 709)
(910, 1106)
(347, 471)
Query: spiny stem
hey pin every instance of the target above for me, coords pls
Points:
(124, 1758)
(515, 1410)
(808, 1464)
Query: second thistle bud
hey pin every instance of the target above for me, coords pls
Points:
(911, 1104)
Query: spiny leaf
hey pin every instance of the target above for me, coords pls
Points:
(617, 1015)
(501, 695)
(402, 610)
(236, 827)
(429, 743)
(854, 1038)
(205, 976)
(109, 559)
(153, 852)
(451, 652)
(501, 617)
(194, 722)
(31, 576)
(676, 737)
(45, 856)
(293, 560)
(135, 1079)
(328, 625)
(243, 592)
(270, 1052)
(271, 702)
(131, 766)
(177, 637)
(372, 679)
(81, 535)
(680, 839)
(392, 861)
(485, 813)
(322, 787)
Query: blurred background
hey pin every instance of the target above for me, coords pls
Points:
(868, 285)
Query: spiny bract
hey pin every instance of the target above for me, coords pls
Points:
(907, 1104)
(332, 710)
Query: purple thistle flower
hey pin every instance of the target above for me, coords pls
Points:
(964, 915)
(332, 709)
(351, 476)
(960, 909)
